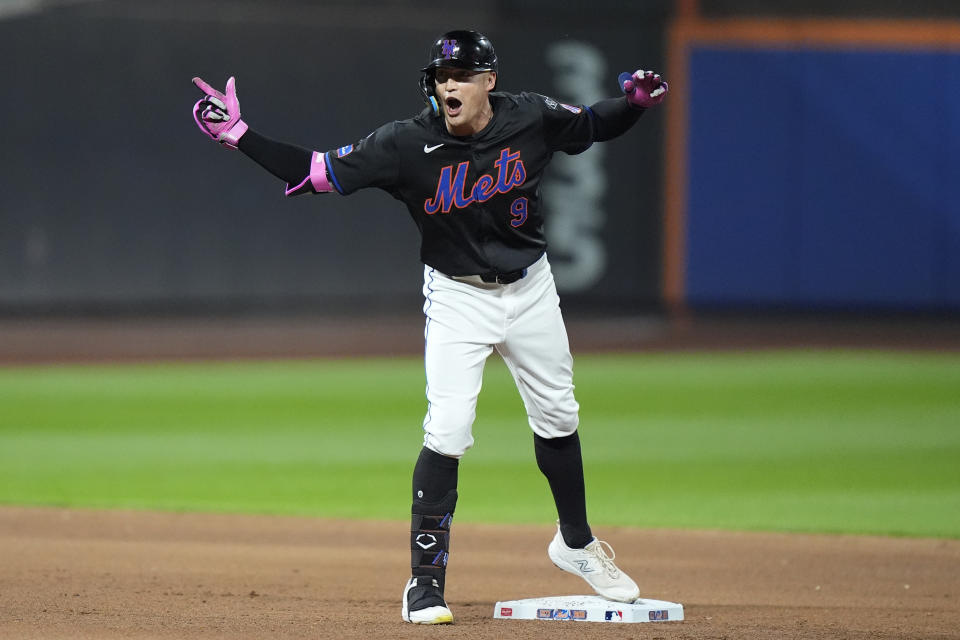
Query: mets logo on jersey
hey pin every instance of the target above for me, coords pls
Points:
(452, 188)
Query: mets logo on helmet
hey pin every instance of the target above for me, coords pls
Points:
(449, 49)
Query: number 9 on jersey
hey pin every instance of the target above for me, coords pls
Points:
(518, 209)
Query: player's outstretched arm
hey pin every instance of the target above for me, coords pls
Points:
(641, 90)
(218, 115)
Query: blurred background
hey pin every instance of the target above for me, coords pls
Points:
(800, 184)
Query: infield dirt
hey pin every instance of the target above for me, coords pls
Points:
(124, 574)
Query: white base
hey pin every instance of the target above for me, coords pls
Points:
(588, 609)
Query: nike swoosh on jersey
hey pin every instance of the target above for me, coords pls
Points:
(428, 149)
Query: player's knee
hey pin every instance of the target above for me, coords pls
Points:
(556, 423)
(453, 446)
(557, 417)
(449, 432)
(551, 431)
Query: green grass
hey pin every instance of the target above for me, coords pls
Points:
(850, 442)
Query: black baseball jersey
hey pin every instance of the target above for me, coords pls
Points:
(475, 199)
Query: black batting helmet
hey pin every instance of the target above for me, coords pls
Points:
(461, 49)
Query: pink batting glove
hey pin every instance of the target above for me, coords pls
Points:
(643, 89)
(218, 114)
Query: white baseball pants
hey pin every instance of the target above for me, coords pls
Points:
(522, 321)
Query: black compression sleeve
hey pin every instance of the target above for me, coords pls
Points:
(612, 117)
(286, 161)
(561, 462)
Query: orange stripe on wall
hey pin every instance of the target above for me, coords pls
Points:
(905, 34)
(921, 35)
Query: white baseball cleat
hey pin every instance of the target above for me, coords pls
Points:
(596, 567)
(423, 603)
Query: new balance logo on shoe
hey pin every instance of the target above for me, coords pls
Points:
(594, 563)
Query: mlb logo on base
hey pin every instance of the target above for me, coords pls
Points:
(613, 616)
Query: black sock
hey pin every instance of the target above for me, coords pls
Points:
(434, 476)
(560, 461)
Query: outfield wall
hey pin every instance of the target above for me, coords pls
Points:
(824, 177)
(817, 165)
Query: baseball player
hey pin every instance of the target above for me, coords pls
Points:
(468, 168)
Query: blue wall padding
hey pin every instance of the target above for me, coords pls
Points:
(824, 178)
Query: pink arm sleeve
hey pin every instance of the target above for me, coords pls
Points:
(318, 173)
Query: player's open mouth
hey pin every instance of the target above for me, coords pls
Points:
(453, 106)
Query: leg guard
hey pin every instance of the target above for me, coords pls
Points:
(430, 537)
